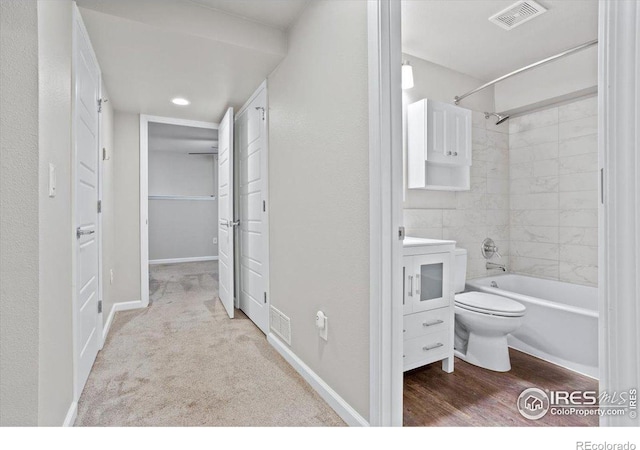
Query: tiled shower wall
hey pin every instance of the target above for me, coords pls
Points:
(553, 165)
(533, 190)
(471, 216)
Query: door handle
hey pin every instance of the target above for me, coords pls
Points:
(410, 285)
(81, 232)
(431, 324)
(229, 224)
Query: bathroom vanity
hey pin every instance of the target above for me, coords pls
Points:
(428, 302)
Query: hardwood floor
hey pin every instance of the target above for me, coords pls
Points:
(472, 396)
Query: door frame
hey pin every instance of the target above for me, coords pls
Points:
(618, 208)
(79, 28)
(145, 119)
(236, 201)
(385, 213)
(618, 319)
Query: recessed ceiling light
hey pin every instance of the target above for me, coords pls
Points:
(180, 101)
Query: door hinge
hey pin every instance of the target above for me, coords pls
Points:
(265, 297)
(261, 109)
(602, 186)
(264, 206)
(99, 206)
(401, 233)
(101, 101)
(99, 306)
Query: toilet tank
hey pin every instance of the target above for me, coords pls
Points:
(459, 269)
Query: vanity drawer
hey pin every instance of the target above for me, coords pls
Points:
(420, 324)
(426, 349)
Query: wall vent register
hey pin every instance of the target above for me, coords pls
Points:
(280, 324)
(517, 14)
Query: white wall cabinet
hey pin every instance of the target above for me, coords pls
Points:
(428, 303)
(438, 146)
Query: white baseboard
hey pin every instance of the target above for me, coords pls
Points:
(107, 324)
(122, 306)
(128, 306)
(72, 414)
(182, 260)
(339, 405)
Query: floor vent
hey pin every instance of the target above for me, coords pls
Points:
(280, 324)
(517, 14)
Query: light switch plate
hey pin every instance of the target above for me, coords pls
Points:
(52, 180)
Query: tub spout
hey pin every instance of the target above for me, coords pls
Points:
(491, 266)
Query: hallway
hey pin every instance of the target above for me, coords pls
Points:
(182, 362)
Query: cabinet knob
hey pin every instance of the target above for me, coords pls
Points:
(455, 153)
(449, 153)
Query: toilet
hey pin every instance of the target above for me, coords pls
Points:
(482, 322)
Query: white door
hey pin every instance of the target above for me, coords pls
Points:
(251, 132)
(87, 90)
(226, 222)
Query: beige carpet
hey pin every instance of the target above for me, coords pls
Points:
(183, 362)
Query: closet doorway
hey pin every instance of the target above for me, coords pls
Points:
(178, 193)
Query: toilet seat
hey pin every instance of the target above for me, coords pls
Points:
(490, 304)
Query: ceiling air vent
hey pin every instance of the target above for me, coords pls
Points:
(517, 14)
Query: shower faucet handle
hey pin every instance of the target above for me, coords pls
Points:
(489, 248)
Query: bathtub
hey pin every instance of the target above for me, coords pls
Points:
(561, 323)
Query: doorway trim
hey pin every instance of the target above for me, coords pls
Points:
(619, 291)
(145, 119)
(619, 220)
(385, 215)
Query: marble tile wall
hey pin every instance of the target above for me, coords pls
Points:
(553, 170)
(471, 216)
(533, 190)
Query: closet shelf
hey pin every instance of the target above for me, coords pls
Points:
(183, 197)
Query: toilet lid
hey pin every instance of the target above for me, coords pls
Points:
(490, 304)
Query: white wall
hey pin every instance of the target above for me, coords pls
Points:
(19, 245)
(109, 241)
(173, 173)
(57, 242)
(182, 228)
(553, 156)
(319, 193)
(568, 77)
(126, 164)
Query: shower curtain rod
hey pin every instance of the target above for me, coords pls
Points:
(457, 99)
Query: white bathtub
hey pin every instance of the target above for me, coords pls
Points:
(561, 323)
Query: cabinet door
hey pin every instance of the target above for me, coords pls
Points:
(437, 134)
(432, 281)
(459, 136)
(409, 284)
